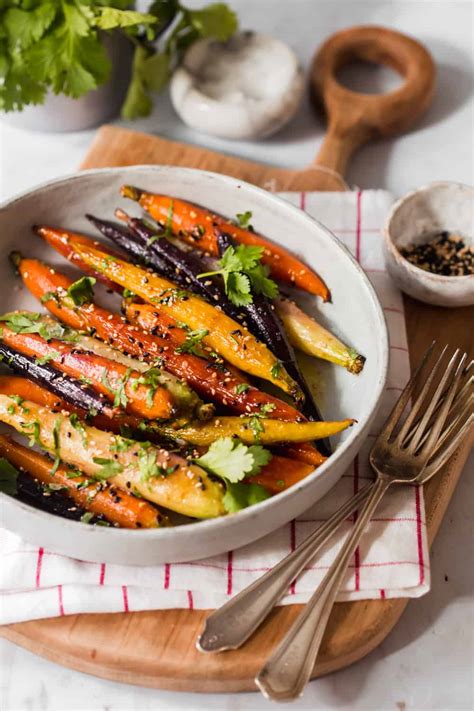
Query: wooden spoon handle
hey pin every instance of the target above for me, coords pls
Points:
(355, 118)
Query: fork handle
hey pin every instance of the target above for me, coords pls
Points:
(288, 670)
(233, 623)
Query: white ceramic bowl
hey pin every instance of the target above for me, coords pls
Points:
(413, 220)
(355, 315)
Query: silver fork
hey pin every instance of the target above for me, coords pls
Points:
(231, 625)
(399, 456)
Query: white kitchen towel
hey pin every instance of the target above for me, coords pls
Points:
(392, 560)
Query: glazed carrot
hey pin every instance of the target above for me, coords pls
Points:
(222, 384)
(60, 239)
(227, 337)
(306, 334)
(116, 505)
(122, 387)
(23, 389)
(280, 473)
(157, 475)
(249, 400)
(201, 227)
(216, 381)
(250, 430)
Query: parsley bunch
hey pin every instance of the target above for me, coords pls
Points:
(56, 45)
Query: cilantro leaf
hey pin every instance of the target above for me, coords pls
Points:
(109, 18)
(240, 496)
(82, 291)
(232, 460)
(215, 20)
(261, 457)
(8, 477)
(244, 274)
(238, 289)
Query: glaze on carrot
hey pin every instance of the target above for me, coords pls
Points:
(116, 505)
(201, 227)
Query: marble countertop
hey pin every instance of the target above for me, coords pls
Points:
(426, 662)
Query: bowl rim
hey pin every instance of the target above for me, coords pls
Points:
(165, 534)
(395, 252)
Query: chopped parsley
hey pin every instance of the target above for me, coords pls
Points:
(275, 370)
(241, 388)
(34, 434)
(79, 427)
(120, 396)
(57, 444)
(121, 444)
(169, 221)
(8, 477)
(127, 294)
(244, 274)
(47, 358)
(108, 468)
(20, 322)
(242, 219)
(192, 342)
(87, 517)
(50, 296)
(82, 291)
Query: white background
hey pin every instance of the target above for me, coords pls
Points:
(426, 663)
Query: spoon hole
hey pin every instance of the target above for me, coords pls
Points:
(368, 77)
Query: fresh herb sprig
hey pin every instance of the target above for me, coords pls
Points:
(244, 274)
(57, 45)
(233, 461)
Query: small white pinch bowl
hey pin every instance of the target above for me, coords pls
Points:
(248, 87)
(355, 315)
(416, 218)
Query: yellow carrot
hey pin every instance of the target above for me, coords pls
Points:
(228, 338)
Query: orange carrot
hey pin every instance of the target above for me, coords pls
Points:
(60, 241)
(118, 384)
(116, 505)
(201, 227)
(280, 473)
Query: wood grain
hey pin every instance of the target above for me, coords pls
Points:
(156, 649)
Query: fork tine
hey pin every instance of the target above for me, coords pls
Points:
(407, 425)
(452, 373)
(453, 425)
(443, 456)
(462, 397)
(401, 403)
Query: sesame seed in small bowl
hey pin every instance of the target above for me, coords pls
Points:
(429, 244)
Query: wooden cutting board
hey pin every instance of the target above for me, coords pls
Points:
(156, 648)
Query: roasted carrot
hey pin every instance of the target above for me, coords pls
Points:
(59, 240)
(216, 381)
(227, 337)
(220, 383)
(250, 430)
(248, 401)
(306, 334)
(201, 227)
(122, 387)
(280, 473)
(24, 389)
(156, 474)
(116, 505)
